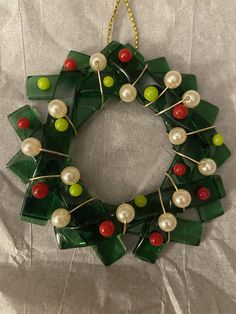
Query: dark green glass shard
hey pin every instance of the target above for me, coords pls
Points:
(207, 110)
(25, 112)
(33, 92)
(210, 211)
(22, 166)
(110, 250)
(187, 231)
(158, 65)
(189, 82)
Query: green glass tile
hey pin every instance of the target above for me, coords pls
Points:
(158, 65)
(210, 211)
(25, 112)
(22, 166)
(33, 92)
(187, 231)
(207, 110)
(145, 251)
(110, 250)
(189, 82)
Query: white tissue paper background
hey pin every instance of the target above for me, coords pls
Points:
(122, 151)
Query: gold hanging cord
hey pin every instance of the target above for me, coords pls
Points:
(111, 22)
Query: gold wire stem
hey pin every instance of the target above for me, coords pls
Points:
(163, 92)
(172, 106)
(45, 177)
(161, 201)
(53, 152)
(69, 120)
(168, 237)
(101, 89)
(172, 181)
(201, 130)
(124, 228)
(111, 22)
(187, 157)
(140, 75)
(77, 207)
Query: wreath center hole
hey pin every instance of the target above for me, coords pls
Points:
(122, 151)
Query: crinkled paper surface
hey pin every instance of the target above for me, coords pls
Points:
(122, 151)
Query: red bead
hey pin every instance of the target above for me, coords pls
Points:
(107, 228)
(125, 55)
(180, 112)
(156, 239)
(23, 123)
(179, 169)
(203, 193)
(70, 64)
(40, 190)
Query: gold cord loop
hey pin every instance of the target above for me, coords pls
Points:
(111, 22)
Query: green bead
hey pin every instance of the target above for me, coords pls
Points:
(140, 201)
(61, 125)
(75, 190)
(151, 93)
(218, 140)
(43, 83)
(108, 81)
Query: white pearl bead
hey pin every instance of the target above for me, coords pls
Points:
(191, 99)
(127, 93)
(31, 146)
(207, 166)
(172, 79)
(181, 198)
(98, 61)
(57, 108)
(70, 175)
(125, 213)
(167, 222)
(60, 218)
(177, 136)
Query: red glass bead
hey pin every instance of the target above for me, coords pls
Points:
(70, 64)
(40, 190)
(180, 112)
(23, 123)
(125, 55)
(179, 169)
(107, 228)
(156, 238)
(203, 193)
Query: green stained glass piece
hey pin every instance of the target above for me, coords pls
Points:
(187, 231)
(189, 82)
(110, 250)
(69, 238)
(145, 251)
(22, 166)
(81, 59)
(208, 111)
(33, 92)
(158, 65)
(28, 113)
(220, 154)
(41, 222)
(210, 211)
(111, 48)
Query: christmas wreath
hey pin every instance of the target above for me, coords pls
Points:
(55, 191)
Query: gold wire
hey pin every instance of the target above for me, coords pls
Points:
(111, 22)
(187, 157)
(69, 120)
(101, 89)
(53, 152)
(172, 106)
(124, 228)
(201, 130)
(140, 75)
(161, 201)
(77, 207)
(45, 177)
(172, 181)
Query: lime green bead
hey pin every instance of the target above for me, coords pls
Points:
(151, 93)
(43, 83)
(218, 140)
(61, 125)
(140, 201)
(108, 81)
(75, 190)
